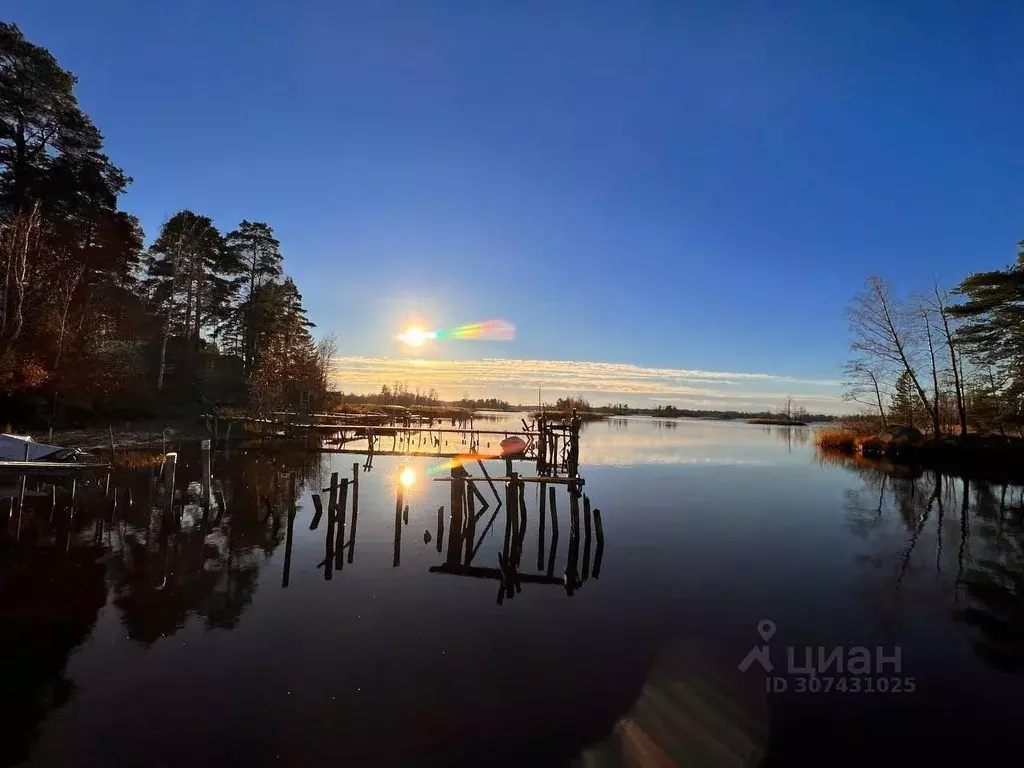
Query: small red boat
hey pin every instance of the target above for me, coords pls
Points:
(512, 446)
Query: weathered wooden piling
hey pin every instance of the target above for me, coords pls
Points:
(339, 545)
(204, 460)
(318, 511)
(355, 517)
(469, 529)
(440, 527)
(398, 524)
(572, 563)
(329, 539)
(218, 496)
(456, 509)
(554, 541)
(521, 527)
(289, 534)
(599, 554)
(540, 526)
(586, 537)
(170, 466)
(490, 482)
(332, 499)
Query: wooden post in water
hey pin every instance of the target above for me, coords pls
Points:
(110, 429)
(586, 537)
(170, 467)
(318, 511)
(218, 496)
(490, 482)
(475, 492)
(572, 564)
(355, 512)
(329, 540)
(286, 575)
(339, 545)
(332, 500)
(440, 527)
(599, 530)
(204, 459)
(458, 496)
(398, 522)
(469, 530)
(540, 523)
(554, 540)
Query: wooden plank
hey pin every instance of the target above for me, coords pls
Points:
(428, 454)
(477, 572)
(552, 480)
(61, 466)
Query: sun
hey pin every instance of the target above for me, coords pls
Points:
(407, 476)
(414, 336)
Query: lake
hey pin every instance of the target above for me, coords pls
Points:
(730, 557)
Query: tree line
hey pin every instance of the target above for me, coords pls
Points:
(87, 308)
(947, 360)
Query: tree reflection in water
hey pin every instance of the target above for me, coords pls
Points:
(933, 535)
(121, 542)
(165, 571)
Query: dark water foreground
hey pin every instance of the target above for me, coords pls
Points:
(132, 635)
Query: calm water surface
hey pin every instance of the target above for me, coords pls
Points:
(128, 640)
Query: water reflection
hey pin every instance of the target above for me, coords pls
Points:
(457, 536)
(155, 553)
(957, 540)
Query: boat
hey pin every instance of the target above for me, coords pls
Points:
(24, 448)
(513, 446)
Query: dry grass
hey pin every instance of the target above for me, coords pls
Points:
(137, 459)
(847, 436)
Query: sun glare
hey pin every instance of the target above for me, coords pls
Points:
(407, 477)
(414, 336)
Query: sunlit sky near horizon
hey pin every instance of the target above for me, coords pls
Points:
(679, 197)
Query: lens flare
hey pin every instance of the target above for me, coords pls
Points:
(407, 476)
(414, 336)
(490, 330)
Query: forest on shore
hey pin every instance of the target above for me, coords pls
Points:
(94, 321)
(945, 361)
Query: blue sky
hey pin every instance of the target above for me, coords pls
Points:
(685, 186)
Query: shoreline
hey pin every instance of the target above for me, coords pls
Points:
(989, 458)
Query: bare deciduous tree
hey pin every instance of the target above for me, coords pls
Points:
(864, 385)
(936, 305)
(885, 336)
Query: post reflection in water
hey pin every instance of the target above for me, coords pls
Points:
(462, 548)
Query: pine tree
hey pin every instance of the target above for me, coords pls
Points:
(905, 402)
(286, 361)
(189, 282)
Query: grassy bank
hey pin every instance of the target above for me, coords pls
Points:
(566, 415)
(989, 457)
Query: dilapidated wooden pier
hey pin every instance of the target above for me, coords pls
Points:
(552, 445)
